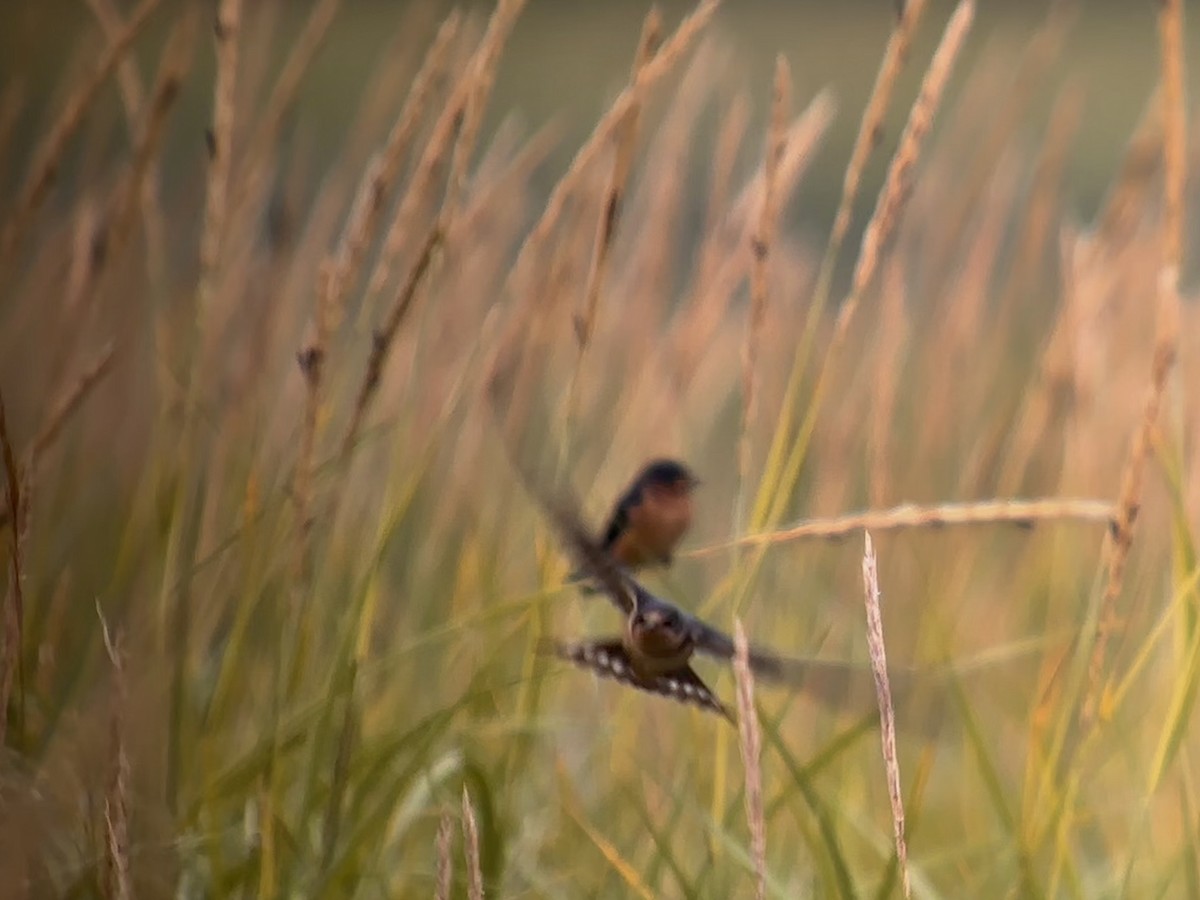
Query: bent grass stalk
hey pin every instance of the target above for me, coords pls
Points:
(1022, 513)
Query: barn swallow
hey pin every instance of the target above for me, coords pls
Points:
(655, 649)
(652, 516)
(649, 518)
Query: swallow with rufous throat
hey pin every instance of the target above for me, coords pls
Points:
(649, 519)
(655, 649)
(652, 515)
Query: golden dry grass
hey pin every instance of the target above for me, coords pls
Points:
(242, 409)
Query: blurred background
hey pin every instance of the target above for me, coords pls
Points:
(328, 583)
(565, 62)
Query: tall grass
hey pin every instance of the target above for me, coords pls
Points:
(242, 411)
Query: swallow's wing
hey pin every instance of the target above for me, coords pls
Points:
(708, 640)
(591, 558)
(563, 509)
(609, 659)
(585, 583)
(835, 684)
(618, 520)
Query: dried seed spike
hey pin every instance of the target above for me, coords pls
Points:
(471, 848)
(751, 744)
(44, 170)
(908, 515)
(445, 868)
(887, 715)
(760, 248)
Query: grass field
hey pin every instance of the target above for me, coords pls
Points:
(274, 587)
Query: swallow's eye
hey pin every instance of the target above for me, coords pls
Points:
(670, 619)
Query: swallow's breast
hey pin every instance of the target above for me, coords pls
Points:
(656, 651)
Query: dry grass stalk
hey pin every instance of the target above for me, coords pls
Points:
(11, 666)
(471, 849)
(654, 70)
(118, 876)
(496, 191)
(1174, 105)
(1045, 191)
(735, 122)
(129, 82)
(133, 98)
(1174, 117)
(101, 239)
(341, 773)
(434, 159)
(449, 142)
(369, 205)
(227, 32)
(870, 129)
(879, 231)
(49, 156)
(311, 360)
(481, 77)
(463, 115)
(11, 103)
(760, 248)
(68, 404)
(379, 178)
(385, 335)
(887, 715)
(339, 271)
(287, 84)
(801, 143)
(692, 332)
(81, 270)
(1036, 234)
(892, 336)
(721, 267)
(1078, 264)
(1004, 119)
(533, 247)
(1124, 204)
(751, 744)
(137, 183)
(870, 133)
(897, 185)
(1129, 500)
(1023, 513)
(625, 143)
(445, 867)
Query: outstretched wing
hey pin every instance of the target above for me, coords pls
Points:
(563, 510)
(591, 558)
(608, 658)
(835, 684)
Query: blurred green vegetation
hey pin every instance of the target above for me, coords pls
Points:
(303, 697)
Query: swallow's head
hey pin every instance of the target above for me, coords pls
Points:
(656, 618)
(667, 475)
(660, 624)
(665, 493)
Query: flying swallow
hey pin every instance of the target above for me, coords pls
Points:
(652, 516)
(649, 518)
(654, 651)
